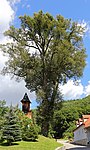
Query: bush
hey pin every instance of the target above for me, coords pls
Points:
(29, 133)
(29, 129)
(69, 132)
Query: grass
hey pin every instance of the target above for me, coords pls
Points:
(42, 143)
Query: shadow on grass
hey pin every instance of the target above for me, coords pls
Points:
(14, 143)
(34, 141)
(6, 144)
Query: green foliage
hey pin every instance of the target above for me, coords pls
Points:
(69, 132)
(29, 133)
(64, 121)
(11, 128)
(58, 55)
(28, 128)
(3, 110)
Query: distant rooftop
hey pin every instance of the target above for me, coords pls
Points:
(85, 116)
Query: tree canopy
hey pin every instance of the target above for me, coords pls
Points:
(45, 52)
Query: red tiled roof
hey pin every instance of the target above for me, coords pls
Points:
(87, 123)
(85, 116)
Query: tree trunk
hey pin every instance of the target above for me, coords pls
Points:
(45, 128)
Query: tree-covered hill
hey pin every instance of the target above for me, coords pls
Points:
(65, 118)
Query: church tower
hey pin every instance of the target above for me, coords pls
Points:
(26, 106)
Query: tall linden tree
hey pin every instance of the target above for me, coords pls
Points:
(45, 52)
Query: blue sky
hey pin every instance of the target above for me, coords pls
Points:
(77, 10)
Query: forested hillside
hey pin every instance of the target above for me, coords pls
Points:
(65, 118)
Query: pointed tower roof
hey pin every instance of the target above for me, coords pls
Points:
(25, 98)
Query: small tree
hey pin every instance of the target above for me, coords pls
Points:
(3, 110)
(28, 127)
(30, 133)
(29, 130)
(11, 129)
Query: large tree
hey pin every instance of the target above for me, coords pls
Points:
(45, 52)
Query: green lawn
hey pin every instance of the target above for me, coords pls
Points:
(42, 143)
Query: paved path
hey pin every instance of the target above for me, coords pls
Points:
(69, 146)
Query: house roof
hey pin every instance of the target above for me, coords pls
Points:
(79, 126)
(87, 123)
(85, 116)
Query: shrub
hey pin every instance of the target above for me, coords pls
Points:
(29, 133)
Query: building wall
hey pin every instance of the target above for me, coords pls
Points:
(29, 114)
(80, 135)
(85, 119)
(88, 135)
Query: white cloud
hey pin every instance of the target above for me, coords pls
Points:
(3, 59)
(26, 5)
(86, 27)
(72, 90)
(6, 17)
(12, 2)
(13, 91)
(87, 89)
(10, 90)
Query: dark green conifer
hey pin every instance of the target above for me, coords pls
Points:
(11, 129)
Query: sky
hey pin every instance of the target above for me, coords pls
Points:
(77, 10)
